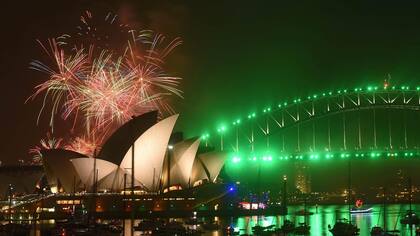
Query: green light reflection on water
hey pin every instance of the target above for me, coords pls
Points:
(327, 215)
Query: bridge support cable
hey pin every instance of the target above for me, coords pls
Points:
(389, 131)
(359, 131)
(252, 136)
(237, 138)
(374, 129)
(329, 134)
(282, 138)
(405, 130)
(298, 137)
(267, 131)
(313, 136)
(344, 132)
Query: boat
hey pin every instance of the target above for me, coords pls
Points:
(361, 210)
(410, 217)
(343, 228)
(170, 228)
(148, 225)
(379, 231)
(302, 229)
(287, 227)
(262, 230)
(210, 226)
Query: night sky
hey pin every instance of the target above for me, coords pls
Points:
(237, 55)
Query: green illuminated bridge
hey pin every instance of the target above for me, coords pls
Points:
(366, 122)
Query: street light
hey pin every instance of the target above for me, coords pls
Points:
(205, 137)
(221, 130)
(236, 124)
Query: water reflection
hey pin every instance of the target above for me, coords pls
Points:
(322, 217)
(319, 221)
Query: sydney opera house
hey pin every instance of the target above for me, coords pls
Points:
(141, 159)
(140, 147)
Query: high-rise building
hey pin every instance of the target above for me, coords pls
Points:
(302, 178)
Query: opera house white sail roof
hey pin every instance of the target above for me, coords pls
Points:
(207, 166)
(85, 169)
(151, 153)
(181, 161)
(59, 170)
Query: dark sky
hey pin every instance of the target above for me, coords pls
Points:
(236, 56)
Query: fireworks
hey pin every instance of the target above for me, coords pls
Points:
(47, 143)
(98, 83)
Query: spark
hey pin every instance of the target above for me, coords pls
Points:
(103, 75)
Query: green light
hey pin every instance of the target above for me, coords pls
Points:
(267, 110)
(330, 93)
(236, 122)
(236, 159)
(345, 90)
(221, 129)
(285, 103)
(369, 88)
(254, 158)
(418, 88)
(315, 96)
(323, 94)
(314, 156)
(205, 136)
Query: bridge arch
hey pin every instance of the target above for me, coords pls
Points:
(274, 127)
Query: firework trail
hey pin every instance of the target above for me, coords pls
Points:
(99, 84)
(46, 143)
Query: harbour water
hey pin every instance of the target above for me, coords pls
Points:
(324, 216)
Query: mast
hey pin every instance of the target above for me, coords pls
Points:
(384, 206)
(132, 191)
(285, 194)
(10, 203)
(349, 190)
(410, 193)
